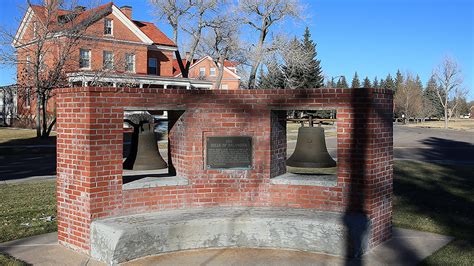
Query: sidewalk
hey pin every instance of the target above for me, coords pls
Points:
(407, 247)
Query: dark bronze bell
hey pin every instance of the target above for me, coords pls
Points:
(144, 153)
(311, 151)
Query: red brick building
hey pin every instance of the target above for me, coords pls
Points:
(114, 50)
(206, 69)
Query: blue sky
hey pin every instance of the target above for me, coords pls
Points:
(369, 36)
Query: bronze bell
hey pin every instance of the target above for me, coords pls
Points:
(311, 151)
(144, 153)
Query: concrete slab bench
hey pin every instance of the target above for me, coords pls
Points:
(119, 239)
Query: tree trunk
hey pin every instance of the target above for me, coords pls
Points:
(38, 114)
(446, 111)
(44, 117)
(258, 58)
(184, 71)
(446, 117)
(221, 73)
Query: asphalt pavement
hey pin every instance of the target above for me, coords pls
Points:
(423, 144)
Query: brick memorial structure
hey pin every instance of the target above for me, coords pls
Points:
(201, 205)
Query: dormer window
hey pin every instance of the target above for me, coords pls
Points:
(108, 26)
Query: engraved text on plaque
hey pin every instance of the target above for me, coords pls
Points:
(229, 152)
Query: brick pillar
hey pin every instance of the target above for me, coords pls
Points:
(89, 163)
(365, 156)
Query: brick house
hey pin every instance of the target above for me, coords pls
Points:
(206, 69)
(114, 49)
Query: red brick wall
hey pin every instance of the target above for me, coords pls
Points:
(90, 150)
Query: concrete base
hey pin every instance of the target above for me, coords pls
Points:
(119, 239)
(407, 247)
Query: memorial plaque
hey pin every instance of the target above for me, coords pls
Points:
(229, 152)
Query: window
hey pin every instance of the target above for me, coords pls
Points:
(130, 62)
(85, 59)
(224, 87)
(213, 72)
(202, 72)
(28, 97)
(28, 64)
(108, 26)
(35, 29)
(108, 60)
(152, 66)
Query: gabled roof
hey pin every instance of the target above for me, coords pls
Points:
(176, 69)
(147, 32)
(196, 62)
(156, 35)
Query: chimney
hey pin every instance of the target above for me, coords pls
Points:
(79, 9)
(127, 10)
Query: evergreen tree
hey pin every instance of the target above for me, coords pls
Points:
(295, 68)
(382, 83)
(432, 97)
(389, 83)
(375, 84)
(355, 81)
(367, 83)
(313, 76)
(398, 81)
(273, 79)
(342, 83)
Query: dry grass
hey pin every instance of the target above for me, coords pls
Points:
(292, 130)
(453, 124)
(16, 136)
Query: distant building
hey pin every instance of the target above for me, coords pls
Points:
(8, 104)
(206, 69)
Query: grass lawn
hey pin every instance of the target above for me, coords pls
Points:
(15, 136)
(438, 199)
(453, 124)
(24, 208)
(428, 197)
(10, 261)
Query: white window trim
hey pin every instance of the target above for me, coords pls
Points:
(111, 27)
(111, 61)
(210, 72)
(35, 29)
(134, 62)
(90, 59)
(201, 70)
(156, 65)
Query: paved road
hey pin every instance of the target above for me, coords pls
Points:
(430, 145)
(433, 145)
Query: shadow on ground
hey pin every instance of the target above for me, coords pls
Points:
(436, 198)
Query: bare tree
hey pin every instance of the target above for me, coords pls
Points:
(292, 59)
(408, 98)
(221, 43)
(190, 16)
(261, 15)
(8, 104)
(43, 59)
(450, 91)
